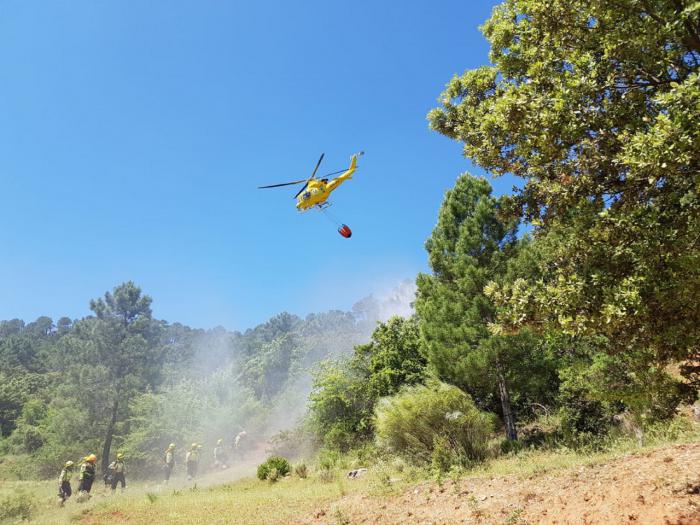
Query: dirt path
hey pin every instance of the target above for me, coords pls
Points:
(657, 487)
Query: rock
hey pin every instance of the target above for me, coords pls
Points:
(692, 487)
(689, 487)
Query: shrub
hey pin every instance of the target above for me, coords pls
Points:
(441, 459)
(16, 506)
(278, 463)
(273, 475)
(583, 417)
(422, 418)
(509, 446)
(326, 475)
(328, 459)
(301, 470)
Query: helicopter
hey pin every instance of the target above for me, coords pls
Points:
(316, 191)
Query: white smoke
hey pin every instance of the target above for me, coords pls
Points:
(397, 301)
(223, 402)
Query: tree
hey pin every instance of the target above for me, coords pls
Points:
(118, 353)
(11, 327)
(468, 248)
(63, 325)
(394, 357)
(42, 327)
(345, 393)
(596, 106)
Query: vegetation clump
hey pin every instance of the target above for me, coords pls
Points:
(16, 506)
(436, 422)
(273, 468)
(301, 470)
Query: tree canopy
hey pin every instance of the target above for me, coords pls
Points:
(595, 105)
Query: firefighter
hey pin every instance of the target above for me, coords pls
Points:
(118, 472)
(220, 458)
(169, 462)
(87, 476)
(239, 445)
(192, 460)
(64, 488)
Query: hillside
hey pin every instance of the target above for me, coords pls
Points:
(660, 486)
(655, 485)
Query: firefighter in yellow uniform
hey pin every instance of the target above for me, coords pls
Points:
(168, 462)
(64, 488)
(86, 477)
(118, 472)
(192, 460)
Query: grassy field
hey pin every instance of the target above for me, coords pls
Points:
(220, 498)
(247, 501)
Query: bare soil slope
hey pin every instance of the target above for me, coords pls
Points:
(657, 487)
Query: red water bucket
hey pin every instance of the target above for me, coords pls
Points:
(345, 231)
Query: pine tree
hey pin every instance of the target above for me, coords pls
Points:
(468, 248)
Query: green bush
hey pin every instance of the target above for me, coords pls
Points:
(328, 459)
(441, 459)
(439, 418)
(583, 417)
(16, 506)
(279, 464)
(510, 446)
(273, 475)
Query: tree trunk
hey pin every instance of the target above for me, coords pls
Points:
(508, 418)
(109, 435)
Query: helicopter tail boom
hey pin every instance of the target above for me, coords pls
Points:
(347, 175)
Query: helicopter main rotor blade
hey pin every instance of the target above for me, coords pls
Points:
(317, 165)
(302, 189)
(283, 184)
(312, 176)
(335, 172)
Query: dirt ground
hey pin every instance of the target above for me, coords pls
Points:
(657, 487)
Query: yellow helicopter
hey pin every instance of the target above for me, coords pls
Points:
(315, 192)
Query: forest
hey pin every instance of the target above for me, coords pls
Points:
(121, 380)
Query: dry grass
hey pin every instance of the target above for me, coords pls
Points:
(249, 501)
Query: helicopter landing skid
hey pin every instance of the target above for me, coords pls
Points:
(323, 206)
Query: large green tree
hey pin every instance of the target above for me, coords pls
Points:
(596, 106)
(468, 248)
(115, 355)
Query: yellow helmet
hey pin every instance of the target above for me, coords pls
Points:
(220, 442)
(194, 445)
(69, 464)
(171, 446)
(120, 455)
(91, 458)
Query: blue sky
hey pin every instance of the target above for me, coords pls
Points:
(133, 135)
